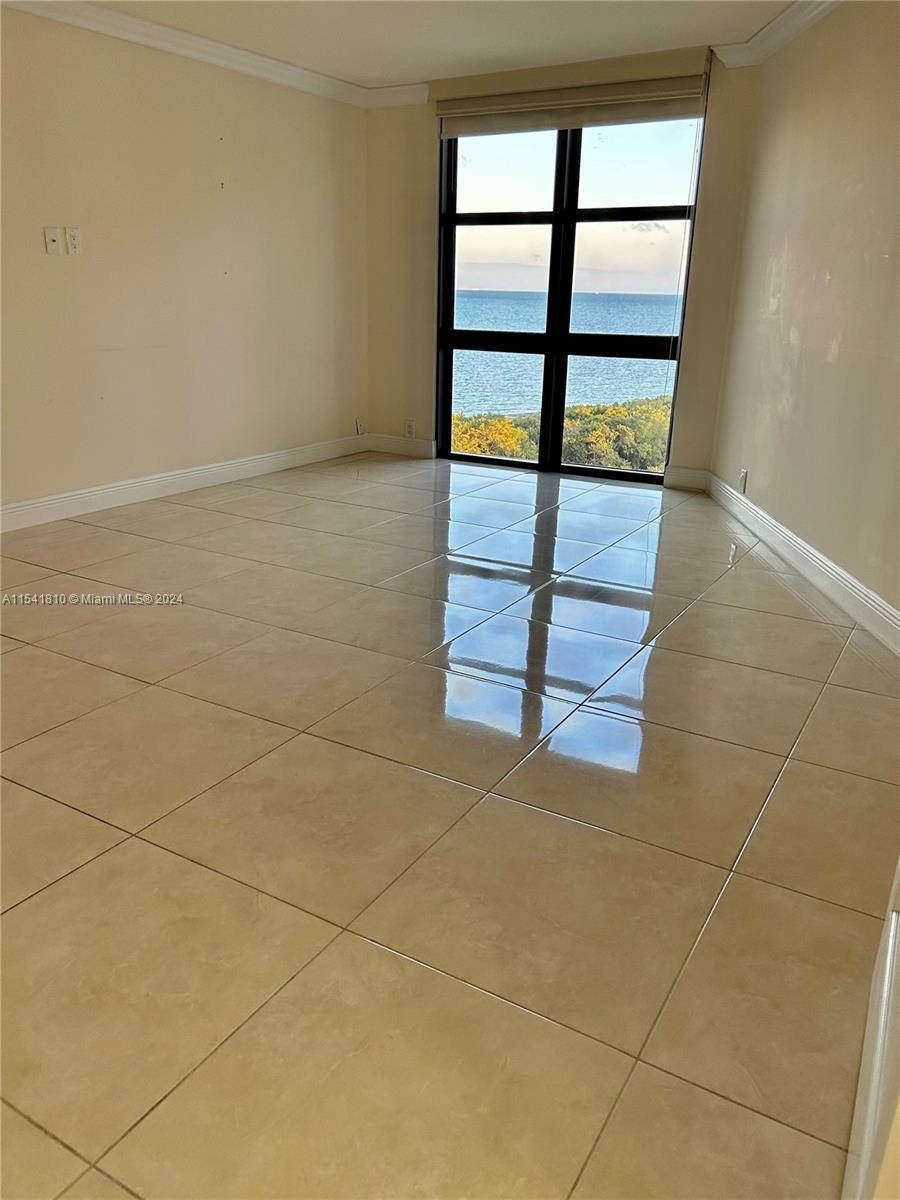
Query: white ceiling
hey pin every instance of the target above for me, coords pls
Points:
(380, 43)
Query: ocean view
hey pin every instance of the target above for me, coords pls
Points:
(510, 384)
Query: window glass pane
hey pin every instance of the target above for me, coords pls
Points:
(618, 412)
(647, 163)
(629, 276)
(497, 404)
(501, 277)
(506, 172)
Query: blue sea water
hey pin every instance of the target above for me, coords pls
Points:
(491, 382)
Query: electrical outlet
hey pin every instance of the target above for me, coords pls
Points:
(73, 239)
(409, 429)
(52, 240)
(742, 481)
(360, 428)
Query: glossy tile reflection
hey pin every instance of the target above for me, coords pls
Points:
(566, 663)
(636, 616)
(674, 789)
(458, 580)
(515, 549)
(455, 725)
(586, 774)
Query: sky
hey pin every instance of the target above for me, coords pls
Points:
(646, 163)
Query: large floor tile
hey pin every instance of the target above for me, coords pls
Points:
(757, 639)
(440, 487)
(767, 591)
(330, 516)
(868, 665)
(138, 758)
(357, 560)
(320, 825)
(724, 700)
(593, 939)
(370, 1076)
(256, 502)
(392, 622)
(511, 548)
(35, 1166)
(164, 568)
(637, 504)
(163, 959)
(455, 725)
(832, 835)
(40, 690)
(771, 1007)
(635, 616)
(95, 1185)
(463, 581)
(13, 572)
(126, 517)
(303, 481)
(261, 541)
(702, 1148)
(678, 790)
(61, 602)
(854, 731)
(672, 576)
(43, 840)
(475, 510)
(538, 491)
(152, 641)
(162, 521)
(688, 541)
(550, 659)
(212, 497)
(395, 498)
(273, 595)
(579, 526)
(67, 545)
(423, 532)
(287, 677)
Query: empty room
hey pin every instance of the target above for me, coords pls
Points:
(450, 710)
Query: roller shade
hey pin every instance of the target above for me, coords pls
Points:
(574, 108)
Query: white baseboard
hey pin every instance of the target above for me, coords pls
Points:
(691, 479)
(414, 447)
(150, 487)
(872, 611)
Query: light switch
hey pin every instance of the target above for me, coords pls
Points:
(52, 240)
(73, 239)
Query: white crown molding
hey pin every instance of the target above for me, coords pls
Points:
(872, 611)
(188, 45)
(792, 22)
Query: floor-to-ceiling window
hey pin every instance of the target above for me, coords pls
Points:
(563, 261)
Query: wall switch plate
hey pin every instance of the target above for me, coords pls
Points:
(409, 429)
(742, 480)
(73, 239)
(52, 239)
(360, 428)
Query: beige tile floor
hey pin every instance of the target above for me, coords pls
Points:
(447, 830)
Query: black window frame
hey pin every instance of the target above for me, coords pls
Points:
(556, 342)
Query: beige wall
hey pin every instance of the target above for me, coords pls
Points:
(810, 390)
(402, 205)
(219, 309)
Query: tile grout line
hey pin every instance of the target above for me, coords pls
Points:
(461, 817)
